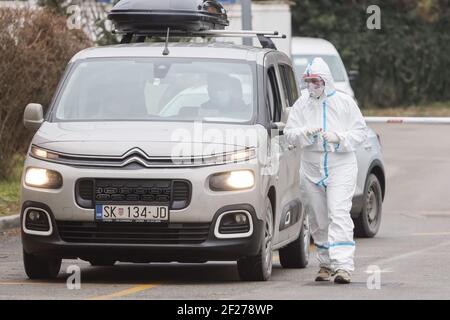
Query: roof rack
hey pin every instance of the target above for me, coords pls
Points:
(138, 20)
(264, 37)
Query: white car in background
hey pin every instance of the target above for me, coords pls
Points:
(306, 49)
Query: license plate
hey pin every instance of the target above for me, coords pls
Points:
(109, 213)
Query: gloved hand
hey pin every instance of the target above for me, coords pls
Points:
(312, 131)
(331, 137)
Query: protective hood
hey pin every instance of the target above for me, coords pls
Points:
(319, 67)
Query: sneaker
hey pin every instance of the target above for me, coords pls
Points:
(324, 274)
(342, 277)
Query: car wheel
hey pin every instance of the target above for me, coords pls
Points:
(296, 254)
(102, 262)
(259, 267)
(368, 222)
(41, 267)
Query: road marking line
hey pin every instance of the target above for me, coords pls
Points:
(125, 292)
(410, 254)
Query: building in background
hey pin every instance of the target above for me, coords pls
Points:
(17, 3)
(271, 15)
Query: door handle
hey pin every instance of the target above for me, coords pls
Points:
(291, 147)
(368, 147)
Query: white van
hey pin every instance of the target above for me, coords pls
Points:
(304, 50)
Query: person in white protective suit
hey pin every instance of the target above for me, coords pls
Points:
(328, 126)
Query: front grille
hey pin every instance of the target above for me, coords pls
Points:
(133, 233)
(134, 191)
(180, 191)
(234, 229)
(86, 188)
(84, 193)
(181, 194)
(37, 226)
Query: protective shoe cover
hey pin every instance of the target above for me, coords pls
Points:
(328, 171)
(324, 274)
(342, 277)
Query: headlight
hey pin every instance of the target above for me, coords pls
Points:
(42, 153)
(43, 178)
(233, 180)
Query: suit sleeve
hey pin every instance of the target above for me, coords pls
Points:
(357, 129)
(295, 130)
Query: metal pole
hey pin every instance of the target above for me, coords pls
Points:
(247, 19)
(416, 120)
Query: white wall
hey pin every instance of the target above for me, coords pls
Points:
(268, 15)
(16, 3)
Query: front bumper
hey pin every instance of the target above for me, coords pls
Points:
(209, 250)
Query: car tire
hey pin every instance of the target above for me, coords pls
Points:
(259, 267)
(367, 224)
(102, 262)
(296, 254)
(41, 267)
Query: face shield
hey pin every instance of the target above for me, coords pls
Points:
(315, 85)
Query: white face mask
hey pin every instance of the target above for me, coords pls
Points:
(315, 91)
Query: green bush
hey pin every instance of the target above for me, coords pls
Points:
(406, 62)
(35, 46)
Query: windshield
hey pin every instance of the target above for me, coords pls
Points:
(157, 89)
(336, 67)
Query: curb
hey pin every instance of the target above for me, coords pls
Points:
(9, 222)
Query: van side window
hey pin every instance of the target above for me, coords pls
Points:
(289, 84)
(273, 95)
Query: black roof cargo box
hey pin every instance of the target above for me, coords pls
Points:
(142, 16)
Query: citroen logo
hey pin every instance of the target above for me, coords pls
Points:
(135, 153)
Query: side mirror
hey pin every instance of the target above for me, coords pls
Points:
(33, 116)
(353, 75)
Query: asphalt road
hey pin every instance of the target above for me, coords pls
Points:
(411, 251)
